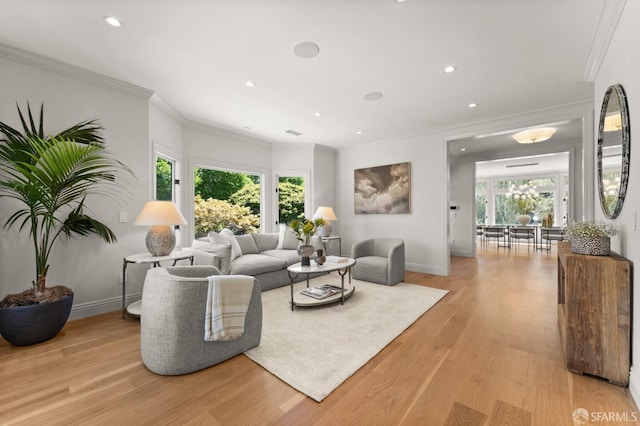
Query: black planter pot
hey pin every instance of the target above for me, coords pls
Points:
(28, 325)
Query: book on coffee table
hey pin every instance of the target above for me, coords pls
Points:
(337, 259)
(321, 292)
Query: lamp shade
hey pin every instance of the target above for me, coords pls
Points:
(156, 213)
(160, 215)
(534, 135)
(328, 215)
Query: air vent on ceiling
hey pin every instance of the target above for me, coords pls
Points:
(522, 165)
(293, 132)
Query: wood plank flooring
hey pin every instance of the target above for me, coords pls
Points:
(488, 354)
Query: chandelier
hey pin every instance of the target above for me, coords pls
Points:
(534, 135)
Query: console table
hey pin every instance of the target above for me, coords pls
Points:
(594, 313)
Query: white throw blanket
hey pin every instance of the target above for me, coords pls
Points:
(228, 298)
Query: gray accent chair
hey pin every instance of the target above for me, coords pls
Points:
(379, 260)
(172, 322)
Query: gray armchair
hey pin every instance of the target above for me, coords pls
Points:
(172, 322)
(379, 260)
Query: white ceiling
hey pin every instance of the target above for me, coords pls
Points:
(512, 56)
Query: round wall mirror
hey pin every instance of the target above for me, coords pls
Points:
(614, 144)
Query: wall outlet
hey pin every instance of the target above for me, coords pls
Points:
(122, 217)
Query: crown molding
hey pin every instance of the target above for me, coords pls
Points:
(158, 101)
(68, 70)
(606, 28)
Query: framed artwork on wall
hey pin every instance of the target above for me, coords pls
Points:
(383, 189)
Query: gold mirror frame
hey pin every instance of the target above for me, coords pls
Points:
(614, 147)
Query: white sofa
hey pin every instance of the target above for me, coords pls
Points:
(264, 256)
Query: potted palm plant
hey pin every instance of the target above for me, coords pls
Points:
(50, 177)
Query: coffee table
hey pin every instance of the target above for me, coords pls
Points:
(296, 269)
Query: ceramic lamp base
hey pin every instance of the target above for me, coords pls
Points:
(160, 240)
(325, 230)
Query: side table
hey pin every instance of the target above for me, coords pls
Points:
(134, 308)
(328, 240)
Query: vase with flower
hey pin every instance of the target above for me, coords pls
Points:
(523, 200)
(305, 228)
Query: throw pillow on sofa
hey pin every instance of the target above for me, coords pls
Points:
(247, 244)
(226, 236)
(286, 238)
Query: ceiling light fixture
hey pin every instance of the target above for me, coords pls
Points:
(372, 96)
(250, 84)
(113, 21)
(534, 135)
(450, 69)
(463, 149)
(318, 114)
(358, 132)
(306, 50)
(472, 105)
(613, 122)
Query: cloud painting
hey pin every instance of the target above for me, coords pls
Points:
(383, 189)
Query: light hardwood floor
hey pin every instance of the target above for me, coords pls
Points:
(487, 354)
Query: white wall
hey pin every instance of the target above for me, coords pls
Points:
(621, 65)
(87, 265)
(424, 230)
(462, 229)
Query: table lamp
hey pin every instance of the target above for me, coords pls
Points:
(160, 216)
(328, 215)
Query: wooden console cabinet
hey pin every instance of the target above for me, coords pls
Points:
(594, 313)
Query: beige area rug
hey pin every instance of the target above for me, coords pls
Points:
(316, 349)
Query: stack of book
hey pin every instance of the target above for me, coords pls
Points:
(322, 292)
(337, 259)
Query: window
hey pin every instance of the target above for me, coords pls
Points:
(165, 178)
(291, 199)
(226, 199)
(481, 203)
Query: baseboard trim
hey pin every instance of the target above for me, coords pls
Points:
(462, 253)
(425, 269)
(88, 309)
(634, 385)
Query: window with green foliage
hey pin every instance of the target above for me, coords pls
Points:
(164, 179)
(224, 199)
(290, 198)
(481, 203)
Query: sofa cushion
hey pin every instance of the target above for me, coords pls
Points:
(288, 256)
(286, 238)
(221, 250)
(235, 247)
(254, 264)
(247, 244)
(267, 241)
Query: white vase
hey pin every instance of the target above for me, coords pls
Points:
(524, 219)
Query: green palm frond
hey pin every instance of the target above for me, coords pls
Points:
(51, 176)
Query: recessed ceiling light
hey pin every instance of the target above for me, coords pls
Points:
(372, 96)
(463, 149)
(306, 49)
(472, 105)
(450, 69)
(358, 132)
(113, 21)
(400, 1)
(318, 114)
(250, 84)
